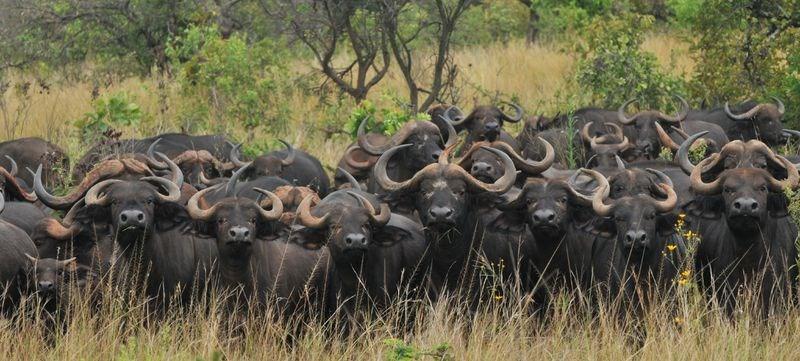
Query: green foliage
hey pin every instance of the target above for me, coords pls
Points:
(230, 81)
(613, 68)
(490, 21)
(401, 351)
(386, 121)
(685, 11)
(109, 114)
(790, 87)
(563, 20)
(743, 49)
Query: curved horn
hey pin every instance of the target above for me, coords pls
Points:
(528, 166)
(665, 139)
(668, 204)
(151, 157)
(502, 184)
(173, 191)
(290, 154)
(698, 185)
(230, 189)
(397, 139)
(277, 206)
(14, 168)
(744, 116)
(65, 229)
(383, 178)
(452, 135)
(306, 218)
(662, 178)
(93, 197)
(680, 116)
(12, 185)
(350, 179)
(579, 197)
(517, 117)
(105, 170)
(619, 161)
(682, 155)
(621, 113)
(348, 158)
(459, 119)
(234, 155)
(781, 107)
(378, 219)
(176, 172)
(598, 200)
(193, 206)
(585, 132)
(203, 178)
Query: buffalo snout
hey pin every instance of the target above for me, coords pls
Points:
(745, 206)
(46, 286)
(636, 239)
(544, 217)
(239, 234)
(132, 218)
(441, 214)
(355, 241)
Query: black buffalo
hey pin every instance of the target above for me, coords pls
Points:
(29, 153)
(747, 121)
(296, 166)
(375, 255)
(485, 123)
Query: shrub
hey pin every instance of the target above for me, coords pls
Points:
(391, 120)
(230, 81)
(613, 68)
(110, 113)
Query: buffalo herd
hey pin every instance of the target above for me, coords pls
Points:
(606, 202)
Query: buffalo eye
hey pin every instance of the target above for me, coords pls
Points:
(762, 188)
(459, 192)
(150, 200)
(221, 221)
(253, 220)
(563, 199)
(650, 216)
(728, 190)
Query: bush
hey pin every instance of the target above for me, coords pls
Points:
(109, 115)
(390, 121)
(230, 81)
(745, 49)
(613, 68)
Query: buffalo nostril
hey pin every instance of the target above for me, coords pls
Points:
(737, 205)
(489, 168)
(551, 217)
(754, 206)
(140, 217)
(232, 233)
(246, 233)
(123, 218)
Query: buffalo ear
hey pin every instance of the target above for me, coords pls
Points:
(706, 207)
(170, 215)
(665, 224)
(777, 205)
(399, 229)
(93, 213)
(307, 238)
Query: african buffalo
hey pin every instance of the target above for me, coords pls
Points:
(209, 152)
(252, 257)
(747, 121)
(375, 255)
(296, 166)
(444, 195)
(29, 153)
(485, 123)
(14, 246)
(152, 244)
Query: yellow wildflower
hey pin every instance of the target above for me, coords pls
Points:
(690, 234)
(672, 247)
(682, 215)
(686, 273)
(683, 281)
(498, 297)
(678, 320)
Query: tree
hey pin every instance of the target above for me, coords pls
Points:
(325, 27)
(372, 34)
(741, 47)
(129, 35)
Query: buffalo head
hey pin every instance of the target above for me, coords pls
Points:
(485, 122)
(643, 127)
(441, 191)
(424, 140)
(762, 121)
